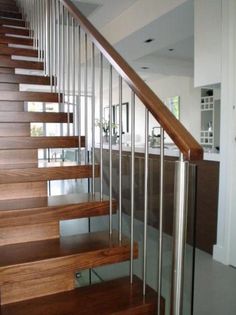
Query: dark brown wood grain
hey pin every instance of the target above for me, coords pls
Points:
(178, 133)
(16, 40)
(23, 263)
(41, 142)
(117, 297)
(20, 173)
(4, 50)
(13, 22)
(10, 63)
(20, 117)
(53, 208)
(14, 30)
(31, 96)
(24, 79)
(8, 14)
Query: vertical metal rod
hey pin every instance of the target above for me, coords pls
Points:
(58, 78)
(161, 210)
(79, 120)
(110, 151)
(68, 50)
(101, 121)
(54, 54)
(44, 32)
(179, 236)
(86, 95)
(146, 175)
(93, 117)
(73, 71)
(63, 57)
(120, 158)
(132, 185)
(48, 39)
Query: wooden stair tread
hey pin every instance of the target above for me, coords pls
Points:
(31, 96)
(53, 208)
(24, 79)
(112, 297)
(14, 31)
(24, 64)
(16, 40)
(43, 172)
(27, 256)
(9, 14)
(13, 22)
(5, 50)
(21, 117)
(8, 143)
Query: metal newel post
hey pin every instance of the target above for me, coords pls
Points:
(179, 236)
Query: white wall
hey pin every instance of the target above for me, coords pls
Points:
(167, 87)
(207, 42)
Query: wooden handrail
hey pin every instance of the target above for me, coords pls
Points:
(177, 132)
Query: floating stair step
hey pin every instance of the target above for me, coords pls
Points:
(11, 143)
(23, 117)
(14, 31)
(31, 96)
(13, 22)
(30, 260)
(11, 15)
(9, 7)
(5, 50)
(5, 62)
(24, 79)
(44, 171)
(16, 40)
(53, 208)
(117, 297)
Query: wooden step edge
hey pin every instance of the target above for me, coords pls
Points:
(71, 253)
(53, 208)
(9, 14)
(44, 117)
(114, 297)
(14, 31)
(31, 96)
(16, 51)
(37, 174)
(13, 22)
(4, 39)
(25, 79)
(23, 64)
(11, 143)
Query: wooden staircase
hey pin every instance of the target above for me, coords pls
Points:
(37, 265)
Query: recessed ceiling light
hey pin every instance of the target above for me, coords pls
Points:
(171, 49)
(149, 40)
(144, 68)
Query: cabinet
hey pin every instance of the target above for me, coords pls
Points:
(210, 120)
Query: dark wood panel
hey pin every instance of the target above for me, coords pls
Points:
(54, 208)
(41, 142)
(21, 173)
(116, 297)
(206, 198)
(9, 87)
(23, 190)
(35, 117)
(6, 70)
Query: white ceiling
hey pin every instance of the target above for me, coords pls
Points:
(174, 30)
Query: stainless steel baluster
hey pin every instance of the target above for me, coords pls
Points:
(179, 235)
(120, 158)
(58, 78)
(73, 71)
(93, 117)
(110, 150)
(132, 185)
(79, 121)
(161, 210)
(44, 52)
(63, 57)
(146, 175)
(68, 49)
(48, 39)
(86, 95)
(101, 121)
